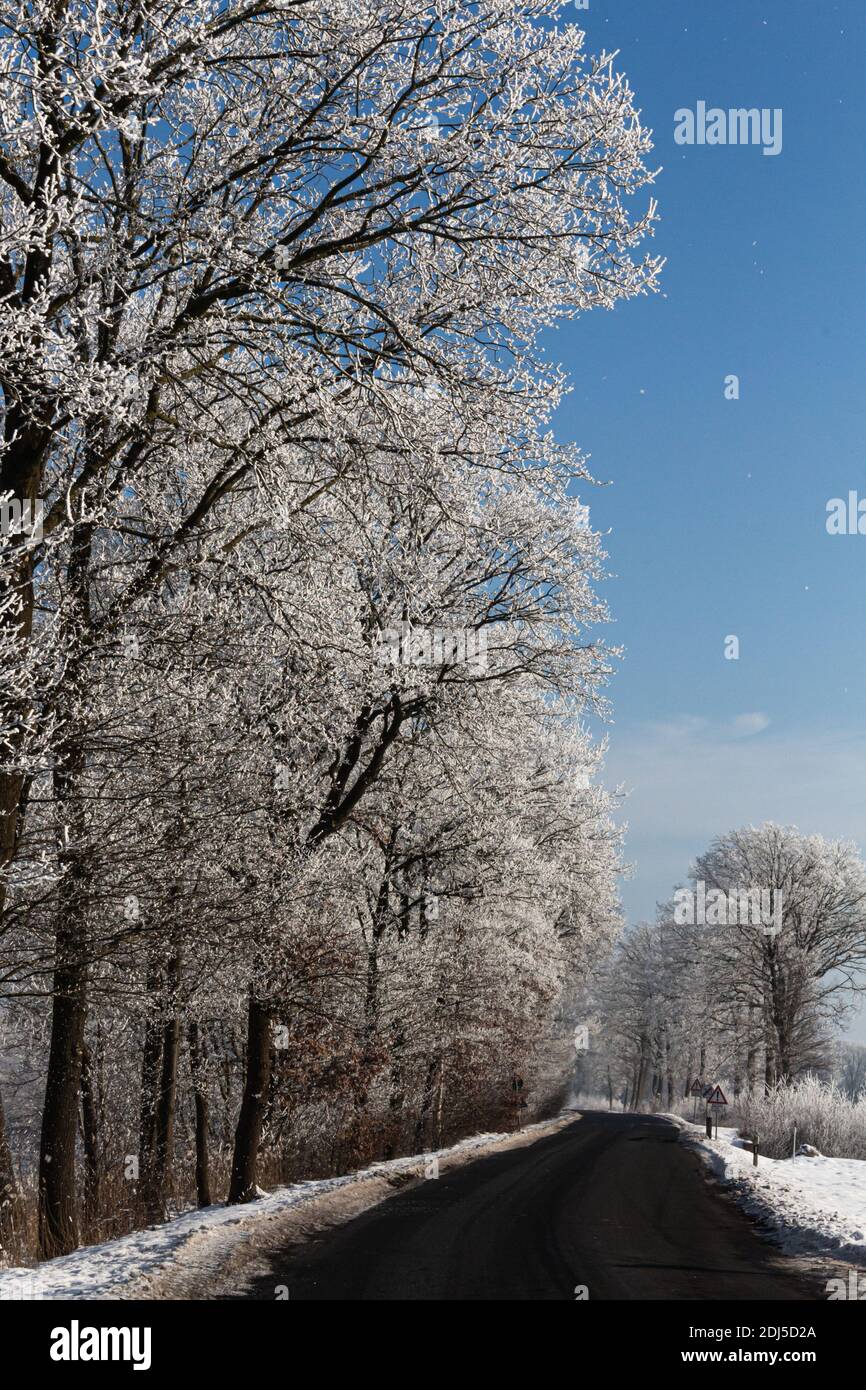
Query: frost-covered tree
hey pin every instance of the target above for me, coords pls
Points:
(795, 970)
(741, 986)
(258, 263)
(851, 1072)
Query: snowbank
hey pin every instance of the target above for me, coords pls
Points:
(814, 1206)
(214, 1250)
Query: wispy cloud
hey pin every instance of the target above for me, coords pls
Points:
(689, 727)
(746, 724)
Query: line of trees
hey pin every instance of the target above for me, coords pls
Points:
(752, 987)
(272, 278)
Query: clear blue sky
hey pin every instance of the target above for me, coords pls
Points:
(717, 508)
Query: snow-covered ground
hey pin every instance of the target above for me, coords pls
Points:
(215, 1250)
(815, 1206)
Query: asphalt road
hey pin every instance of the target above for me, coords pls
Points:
(612, 1202)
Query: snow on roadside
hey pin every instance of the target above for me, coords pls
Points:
(814, 1206)
(191, 1251)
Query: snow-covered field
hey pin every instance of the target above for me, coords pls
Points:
(815, 1206)
(202, 1252)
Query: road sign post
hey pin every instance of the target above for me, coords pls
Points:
(716, 1098)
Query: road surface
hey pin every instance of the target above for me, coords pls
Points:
(612, 1202)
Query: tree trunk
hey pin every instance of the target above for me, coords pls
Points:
(396, 1094)
(9, 1190)
(58, 1217)
(643, 1067)
(199, 1087)
(427, 1099)
(440, 1104)
(163, 1149)
(669, 1073)
(151, 1068)
(90, 1137)
(159, 1089)
(631, 1088)
(752, 1050)
(248, 1135)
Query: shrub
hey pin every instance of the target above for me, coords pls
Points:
(822, 1114)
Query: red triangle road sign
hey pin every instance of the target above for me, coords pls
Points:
(717, 1097)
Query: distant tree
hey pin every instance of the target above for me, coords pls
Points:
(795, 974)
(851, 1073)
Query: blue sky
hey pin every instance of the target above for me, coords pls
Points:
(717, 509)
